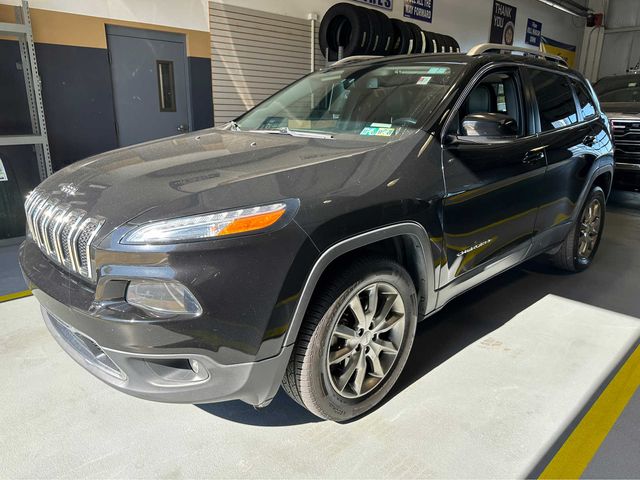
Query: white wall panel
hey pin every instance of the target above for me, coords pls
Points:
(466, 20)
(254, 54)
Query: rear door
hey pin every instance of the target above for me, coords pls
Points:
(569, 139)
(493, 184)
(149, 75)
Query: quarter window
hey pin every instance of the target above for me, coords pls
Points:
(586, 103)
(555, 99)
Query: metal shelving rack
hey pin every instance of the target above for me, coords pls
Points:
(38, 139)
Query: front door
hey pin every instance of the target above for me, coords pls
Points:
(149, 76)
(493, 177)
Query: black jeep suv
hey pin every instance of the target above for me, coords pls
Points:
(301, 244)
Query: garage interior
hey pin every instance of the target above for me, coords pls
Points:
(534, 373)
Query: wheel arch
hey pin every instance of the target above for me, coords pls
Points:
(411, 236)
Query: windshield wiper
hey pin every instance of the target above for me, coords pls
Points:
(294, 133)
(233, 126)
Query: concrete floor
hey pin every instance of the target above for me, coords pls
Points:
(11, 280)
(493, 383)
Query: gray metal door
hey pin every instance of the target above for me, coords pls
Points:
(150, 83)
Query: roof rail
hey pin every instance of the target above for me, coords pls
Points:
(354, 58)
(499, 48)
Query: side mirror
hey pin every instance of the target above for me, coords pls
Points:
(489, 125)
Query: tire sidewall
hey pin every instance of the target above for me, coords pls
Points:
(328, 400)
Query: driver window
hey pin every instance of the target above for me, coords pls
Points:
(493, 109)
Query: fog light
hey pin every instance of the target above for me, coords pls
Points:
(168, 298)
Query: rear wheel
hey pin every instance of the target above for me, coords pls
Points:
(580, 246)
(355, 340)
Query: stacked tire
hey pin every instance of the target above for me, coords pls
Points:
(348, 30)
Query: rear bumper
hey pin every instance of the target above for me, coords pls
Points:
(177, 376)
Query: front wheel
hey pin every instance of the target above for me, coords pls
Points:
(355, 340)
(580, 246)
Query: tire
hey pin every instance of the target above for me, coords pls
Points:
(431, 42)
(450, 43)
(331, 391)
(373, 38)
(571, 256)
(344, 25)
(416, 36)
(386, 34)
(401, 37)
(455, 44)
(440, 42)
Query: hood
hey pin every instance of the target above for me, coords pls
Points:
(215, 170)
(621, 109)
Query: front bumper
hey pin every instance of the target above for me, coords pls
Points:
(238, 358)
(165, 376)
(627, 175)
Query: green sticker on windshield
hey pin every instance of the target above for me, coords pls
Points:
(378, 131)
(439, 71)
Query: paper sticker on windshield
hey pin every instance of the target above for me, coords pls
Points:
(633, 84)
(423, 80)
(378, 131)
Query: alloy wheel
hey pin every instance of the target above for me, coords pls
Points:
(366, 340)
(589, 229)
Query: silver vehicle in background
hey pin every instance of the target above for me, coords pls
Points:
(620, 99)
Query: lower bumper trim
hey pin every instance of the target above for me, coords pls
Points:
(172, 378)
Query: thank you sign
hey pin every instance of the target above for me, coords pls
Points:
(503, 23)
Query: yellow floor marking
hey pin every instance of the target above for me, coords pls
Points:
(13, 296)
(577, 452)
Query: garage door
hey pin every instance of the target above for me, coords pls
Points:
(253, 55)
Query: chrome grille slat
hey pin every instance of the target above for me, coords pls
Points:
(62, 233)
(57, 228)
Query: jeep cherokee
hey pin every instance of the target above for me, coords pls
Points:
(300, 244)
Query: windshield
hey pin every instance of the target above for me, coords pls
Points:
(382, 101)
(618, 89)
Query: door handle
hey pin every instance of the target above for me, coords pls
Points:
(533, 158)
(183, 128)
(589, 140)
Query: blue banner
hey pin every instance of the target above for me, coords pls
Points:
(419, 10)
(534, 33)
(386, 4)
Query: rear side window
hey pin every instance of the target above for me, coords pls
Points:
(555, 99)
(587, 105)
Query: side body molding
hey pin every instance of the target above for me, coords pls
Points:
(424, 266)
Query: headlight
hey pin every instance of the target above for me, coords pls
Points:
(202, 227)
(162, 297)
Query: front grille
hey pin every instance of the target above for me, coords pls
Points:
(63, 233)
(626, 134)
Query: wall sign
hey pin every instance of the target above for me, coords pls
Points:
(534, 33)
(419, 10)
(564, 50)
(386, 4)
(503, 23)
(3, 173)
